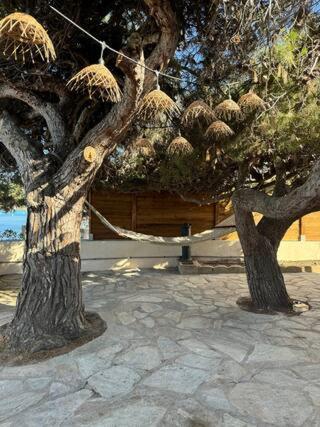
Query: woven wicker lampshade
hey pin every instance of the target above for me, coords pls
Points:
(143, 147)
(22, 37)
(228, 110)
(179, 147)
(251, 102)
(156, 104)
(98, 81)
(219, 131)
(196, 111)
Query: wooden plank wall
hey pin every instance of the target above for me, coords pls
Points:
(160, 214)
(307, 228)
(163, 214)
(310, 227)
(117, 208)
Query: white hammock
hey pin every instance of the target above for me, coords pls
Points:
(177, 241)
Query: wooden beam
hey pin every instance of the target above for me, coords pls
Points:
(215, 214)
(134, 212)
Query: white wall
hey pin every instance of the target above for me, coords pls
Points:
(120, 254)
(11, 254)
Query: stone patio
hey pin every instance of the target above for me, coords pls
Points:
(177, 352)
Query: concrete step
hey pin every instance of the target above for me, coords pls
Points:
(196, 267)
(232, 260)
(234, 265)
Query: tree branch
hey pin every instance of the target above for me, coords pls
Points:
(46, 83)
(166, 20)
(81, 123)
(105, 136)
(301, 201)
(24, 153)
(48, 111)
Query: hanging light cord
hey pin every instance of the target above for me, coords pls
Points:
(101, 60)
(104, 46)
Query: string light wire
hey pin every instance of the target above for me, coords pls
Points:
(104, 46)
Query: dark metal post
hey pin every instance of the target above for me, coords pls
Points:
(186, 250)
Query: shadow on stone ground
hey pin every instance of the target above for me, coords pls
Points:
(177, 352)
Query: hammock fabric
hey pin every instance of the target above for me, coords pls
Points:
(175, 241)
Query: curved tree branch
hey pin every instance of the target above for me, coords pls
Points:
(24, 153)
(53, 85)
(48, 111)
(105, 136)
(166, 20)
(301, 201)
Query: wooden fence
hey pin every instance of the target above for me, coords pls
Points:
(162, 214)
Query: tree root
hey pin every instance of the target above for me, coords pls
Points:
(48, 346)
(246, 304)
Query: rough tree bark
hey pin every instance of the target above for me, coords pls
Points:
(260, 242)
(50, 310)
(49, 305)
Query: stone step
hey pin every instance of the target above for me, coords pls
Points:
(221, 261)
(199, 268)
(234, 265)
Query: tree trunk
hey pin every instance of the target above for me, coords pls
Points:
(265, 279)
(260, 244)
(49, 307)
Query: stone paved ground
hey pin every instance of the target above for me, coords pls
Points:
(177, 352)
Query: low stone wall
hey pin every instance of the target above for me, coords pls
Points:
(122, 254)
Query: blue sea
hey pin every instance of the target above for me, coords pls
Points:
(12, 220)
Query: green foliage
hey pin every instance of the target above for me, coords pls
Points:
(290, 48)
(11, 235)
(295, 130)
(212, 62)
(11, 191)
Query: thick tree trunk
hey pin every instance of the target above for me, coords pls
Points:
(260, 244)
(49, 308)
(265, 279)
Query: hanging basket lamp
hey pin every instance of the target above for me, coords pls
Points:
(97, 81)
(219, 131)
(251, 103)
(22, 36)
(228, 110)
(179, 146)
(143, 147)
(157, 105)
(196, 111)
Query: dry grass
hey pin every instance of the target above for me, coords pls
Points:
(98, 81)
(23, 36)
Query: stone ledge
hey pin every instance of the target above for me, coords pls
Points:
(196, 267)
(236, 265)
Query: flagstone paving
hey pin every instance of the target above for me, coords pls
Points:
(177, 352)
